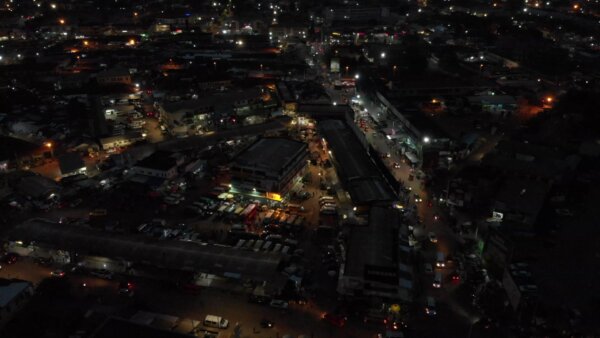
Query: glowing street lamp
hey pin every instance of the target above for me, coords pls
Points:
(356, 76)
(50, 146)
(426, 139)
(61, 21)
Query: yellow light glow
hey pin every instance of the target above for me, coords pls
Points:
(273, 196)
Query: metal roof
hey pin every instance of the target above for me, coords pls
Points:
(215, 259)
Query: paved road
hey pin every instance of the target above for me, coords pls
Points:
(156, 296)
(453, 318)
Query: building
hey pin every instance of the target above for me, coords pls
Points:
(118, 141)
(494, 104)
(187, 116)
(118, 327)
(114, 76)
(358, 174)
(528, 160)
(520, 202)
(376, 263)
(125, 250)
(71, 164)
(270, 166)
(161, 164)
(15, 152)
(38, 187)
(13, 295)
(421, 140)
(356, 14)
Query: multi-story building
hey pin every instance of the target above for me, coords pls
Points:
(270, 166)
(161, 164)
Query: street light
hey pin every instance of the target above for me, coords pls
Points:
(382, 55)
(426, 139)
(50, 146)
(356, 76)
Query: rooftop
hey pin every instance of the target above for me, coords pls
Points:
(371, 249)
(525, 196)
(160, 160)
(361, 177)
(216, 259)
(223, 99)
(117, 327)
(11, 288)
(273, 154)
(70, 162)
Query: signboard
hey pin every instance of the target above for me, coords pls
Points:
(334, 67)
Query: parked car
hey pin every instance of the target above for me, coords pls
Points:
(105, 274)
(126, 288)
(428, 268)
(266, 324)
(57, 273)
(335, 320)
(279, 304)
(11, 258)
(432, 237)
(564, 212)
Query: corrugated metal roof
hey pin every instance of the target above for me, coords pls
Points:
(215, 259)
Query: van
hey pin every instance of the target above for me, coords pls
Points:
(437, 280)
(324, 199)
(267, 246)
(216, 321)
(440, 260)
(430, 307)
(323, 202)
(328, 206)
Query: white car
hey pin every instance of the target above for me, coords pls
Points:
(432, 237)
(564, 212)
(279, 304)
